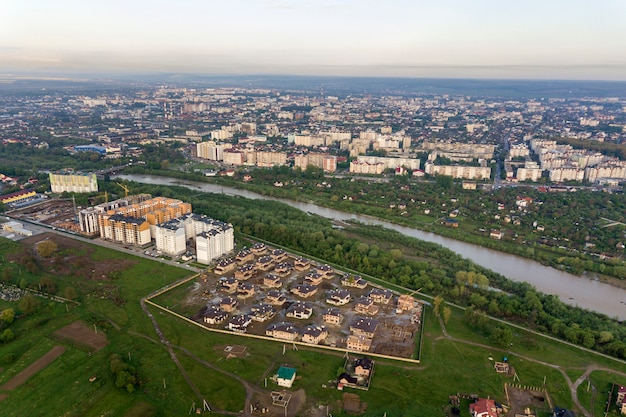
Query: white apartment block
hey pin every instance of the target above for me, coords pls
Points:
(458, 171)
(169, 237)
(367, 168)
(234, 157)
(214, 243)
(391, 163)
(324, 161)
(210, 150)
(567, 173)
(518, 150)
(270, 159)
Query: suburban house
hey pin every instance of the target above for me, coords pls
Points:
(496, 234)
(326, 271)
(313, 278)
(358, 343)
(301, 264)
(380, 295)
(339, 297)
(228, 284)
(304, 290)
(353, 281)
(224, 266)
(244, 256)
(621, 399)
(239, 323)
(258, 249)
(333, 317)
(283, 330)
(365, 305)
(264, 263)
(213, 315)
(285, 376)
(484, 407)
(363, 367)
(405, 302)
(279, 255)
(228, 304)
(283, 269)
(299, 310)
(272, 281)
(262, 312)
(314, 334)
(246, 271)
(364, 326)
(275, 298)
(245, 290)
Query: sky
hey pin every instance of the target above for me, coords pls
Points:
(530, 39)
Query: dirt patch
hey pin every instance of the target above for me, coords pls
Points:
(78, 333)
(33, 368)
(73, 257)
(351, 403)
(3, 397)
(520, 399)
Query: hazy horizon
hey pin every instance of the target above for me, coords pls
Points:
(486, 39)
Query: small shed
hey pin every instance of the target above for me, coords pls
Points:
(286, 376)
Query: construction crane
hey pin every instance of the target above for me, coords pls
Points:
(126, 190)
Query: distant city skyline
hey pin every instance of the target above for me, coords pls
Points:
(534, 39)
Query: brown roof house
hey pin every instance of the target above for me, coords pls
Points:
(314, 334)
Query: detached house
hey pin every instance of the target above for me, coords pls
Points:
(339, 297)
(299, 310)
(272, 281)
(333, 317)
(264, 263)
(258, 249)
(353, 281)
(364, 326)
(245, 272)
(275, 298)
(279, 255)
(301, 264)
(214, 315)
(380, 296)
(245, 290)
(359, 343)
(282, 330)
(314, 334)
(365, 305)
(224, 266)
(283, 269)
(239, 323)
(244, 256)
(326, 271)
(228, 304)
(484, 408)
(363, 367)
(228, 284)
(304, 290)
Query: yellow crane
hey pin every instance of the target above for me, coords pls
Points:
(126, 190)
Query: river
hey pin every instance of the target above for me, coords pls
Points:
(571, 289)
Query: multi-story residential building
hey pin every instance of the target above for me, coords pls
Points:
(458, 171)
(73, 183)
(270, 159)
(170, 237)
(366, 168)
(210, 150)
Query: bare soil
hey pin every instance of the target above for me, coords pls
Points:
(73, 258)
(519, 399)
(81, 334)
(33, 368)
